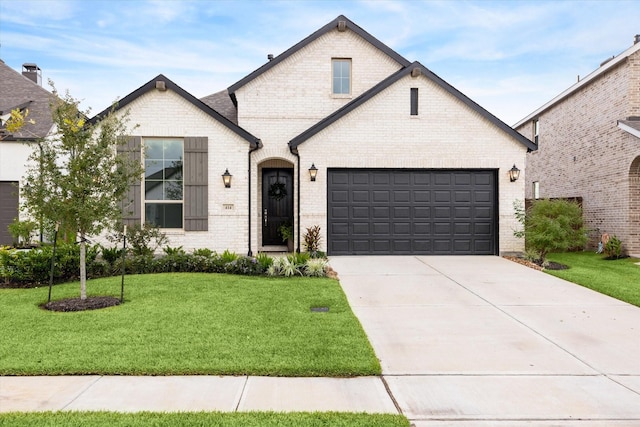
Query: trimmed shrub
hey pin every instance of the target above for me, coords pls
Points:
(551, 226)
(613, 248)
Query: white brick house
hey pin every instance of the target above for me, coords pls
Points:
(405, 163)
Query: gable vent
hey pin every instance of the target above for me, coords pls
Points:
(161, 85)
(416, 72)
(342, 25)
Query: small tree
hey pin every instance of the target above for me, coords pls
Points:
(551, 225)
(77, 178)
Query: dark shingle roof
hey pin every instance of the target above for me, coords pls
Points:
(322, 31)
(221, 102)
(17, 91)
(336, 115)
(168, 84)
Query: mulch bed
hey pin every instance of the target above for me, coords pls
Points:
(77, 304)
(550, 264)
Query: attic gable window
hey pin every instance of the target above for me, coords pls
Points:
(341, 72)
(414, 101)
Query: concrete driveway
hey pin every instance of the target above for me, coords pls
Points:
(484, 341)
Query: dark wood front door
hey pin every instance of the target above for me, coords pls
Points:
(277, 203)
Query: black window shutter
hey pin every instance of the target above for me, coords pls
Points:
(196, 180)
(132, 202)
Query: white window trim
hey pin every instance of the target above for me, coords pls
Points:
(342, 95)
(143, 210)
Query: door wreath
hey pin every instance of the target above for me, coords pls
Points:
(277, 191)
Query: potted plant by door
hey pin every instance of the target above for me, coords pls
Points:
(286, 232)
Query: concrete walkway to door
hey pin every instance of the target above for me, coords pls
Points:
(483, 341)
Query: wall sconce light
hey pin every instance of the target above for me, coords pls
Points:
(514, 173)
(313, 172)
(226, 178)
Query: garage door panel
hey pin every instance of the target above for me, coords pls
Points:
(339, 229)
(401, 228)
(380, 196)
(361, 228)
(442, 212)
(462, 212)
(421, 212)
(339, 212)
(421, 196)
(360, 178)
(401, 196)
(461, 246)
(381, 246)
(442, 196)
(360, 196)
(381, 228)
(442, 179)
(402, 246)
(483, 196)
(422, 228)
(411, 211)
(380, 212)
(401, 179)
(359, 212)
(441, 228)
(381, 178)
(401, 212)
(8, 209)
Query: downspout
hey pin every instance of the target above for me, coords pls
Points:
(257, 146)
(295, 152)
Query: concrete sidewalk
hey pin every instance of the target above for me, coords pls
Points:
(485, 341)
(193, 393)
(463, 341)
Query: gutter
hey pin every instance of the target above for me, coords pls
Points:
(256, 146)
(294, 151)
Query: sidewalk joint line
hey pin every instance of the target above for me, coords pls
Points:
(393, 398)
(83, 391)
(242, 396)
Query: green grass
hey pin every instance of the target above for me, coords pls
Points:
(194, 419)
(617, 278)
(188, 324)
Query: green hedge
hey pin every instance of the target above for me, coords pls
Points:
(32, 267)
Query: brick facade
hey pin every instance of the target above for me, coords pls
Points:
(583, 153)
(287, 99)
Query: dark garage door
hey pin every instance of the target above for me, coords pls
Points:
(8, 209)
(409, 211)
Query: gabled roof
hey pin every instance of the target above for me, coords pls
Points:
(163, 83)
(322, 31)
(338, 114)
(221, 102)
(604, 67)
(17, 91)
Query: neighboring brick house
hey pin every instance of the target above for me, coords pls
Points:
(405, 163)
(588, 140)
(24, 92)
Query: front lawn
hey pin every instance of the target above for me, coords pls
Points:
(188, 324)
(617, 278)
(190, 419)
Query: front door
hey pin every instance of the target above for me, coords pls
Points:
(277, 203)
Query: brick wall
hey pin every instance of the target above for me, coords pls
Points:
(382, 134)
(582, 152)
(166, 114)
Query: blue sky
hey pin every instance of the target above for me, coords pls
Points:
(508, 56)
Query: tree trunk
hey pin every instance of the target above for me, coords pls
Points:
(83, 267)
